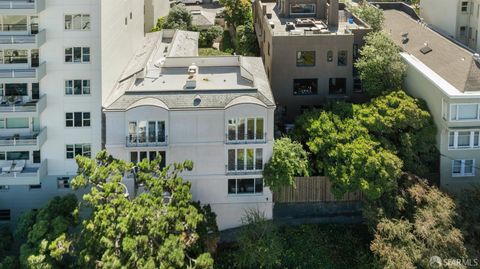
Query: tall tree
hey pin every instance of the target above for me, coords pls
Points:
(157, 229)
(380, 65)
(237, 12)
(369, 14)
(179, 17)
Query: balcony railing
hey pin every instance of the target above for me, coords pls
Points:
(35, 40)
(24, 73)
(246, 141)
(132, 141)
(20, 106)
(35, 139)
(29, 174)
(233, 170)
(37, 5)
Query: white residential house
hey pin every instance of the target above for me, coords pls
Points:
(447, 77)
(58, 60)
(216, 111)
(459, 19)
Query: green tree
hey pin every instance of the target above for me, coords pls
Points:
(247, 40)
(159, 228)
(469, 212)
(380, 65)
(160, 24)
(237, 12)
(288, 160)
(46, 243)
(412, 224)
(404, 125)
(369, 14)
(207, 37)
(260, 245)
(179, 18)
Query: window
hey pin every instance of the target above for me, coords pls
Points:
(460, 112)
(77, 22)
(337, 86)
(77, 55)
(305, 58)
(463, 168)
(146, 132)
(13, 56)
(304, 86)
(16, 89)
(302, 9)
(77, 119)
(330, 56)
(4, 214)
(17, 123)
(13, 23)
(342, 58)
(138, 156)
(357, 85)
(77, 87)
(36, 156)
(243, 129)
(464, 6)
(463, 139)
(63, 182)
(463, 31)
(18, 155)
(245, 186)
(245, 159)
(35, 187)
(73, 150)
(355, 51)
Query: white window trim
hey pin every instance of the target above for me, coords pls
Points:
(73, 86)
(73, 53)
(255, 193)
(245, 170)
(456, 112)
(83, 150)
(246, 140)
(81, 21)
(462, 169)
(455, 140)
(83, 119)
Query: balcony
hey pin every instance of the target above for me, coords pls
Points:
(23, 75)
(234, 170)
(15, 106)
(20, 173)
(21, 7)
(19, 142)
(22, 41)
(246, 141)
(134, 142)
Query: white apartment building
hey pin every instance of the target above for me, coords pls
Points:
(457, 18)
(447, 77)
(216, 111)
(58, 61)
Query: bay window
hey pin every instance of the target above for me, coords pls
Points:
(245, 129)
(146, 132)
(245, 160)
(461, 112)
(463, 139)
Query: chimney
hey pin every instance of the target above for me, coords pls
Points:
(192, 77)
(332, 13)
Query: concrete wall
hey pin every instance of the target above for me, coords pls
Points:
(155, 9)
(441, 13)
(199, 135)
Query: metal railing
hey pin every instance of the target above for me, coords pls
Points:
(133, 141)
(23, 39)
(26, 4)
(23, 72)
(246, 141)
(35, 139)
(30, 106)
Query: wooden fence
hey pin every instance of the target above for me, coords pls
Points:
(312, 189)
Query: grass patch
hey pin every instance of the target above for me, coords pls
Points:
(314, 246)
(211, 52)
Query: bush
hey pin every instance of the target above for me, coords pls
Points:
(207, 37)
(247, 40)
(469, 211)
(227, 44)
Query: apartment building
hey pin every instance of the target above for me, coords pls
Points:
(309, 48)
(216, 111)
(459, 19)
(58, 61)
(155, 9)
(447, 77)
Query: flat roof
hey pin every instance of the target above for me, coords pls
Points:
(320, 25)
(450, 61)
(159, 71)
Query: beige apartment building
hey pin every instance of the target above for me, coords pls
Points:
(447, 77)
(308, 49)
(459, 19)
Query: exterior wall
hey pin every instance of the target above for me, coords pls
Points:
(155, 9)
(200, 136)
(447, 17)
(421, 86)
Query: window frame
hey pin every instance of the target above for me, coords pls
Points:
(234, 122)
(299, 56)
(83, 86)
(454, 109)
(82, 57)
(85, 119)
(82, 22)
(297, 92)
(462, 168)
(245, 157)
(83, 146)
(236, 188)
(453, 136)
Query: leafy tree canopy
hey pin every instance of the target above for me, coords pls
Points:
(369, 14)
(288, 160)
(179, 18)
(237, 12)
(380, 65)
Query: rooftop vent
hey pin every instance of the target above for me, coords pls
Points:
(290, 26)
(426, 49)
(192, 77)
(476, 58)
(405, 38)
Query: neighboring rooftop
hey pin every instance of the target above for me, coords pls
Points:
(309, 26)
(449, 60)
(166, 69)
